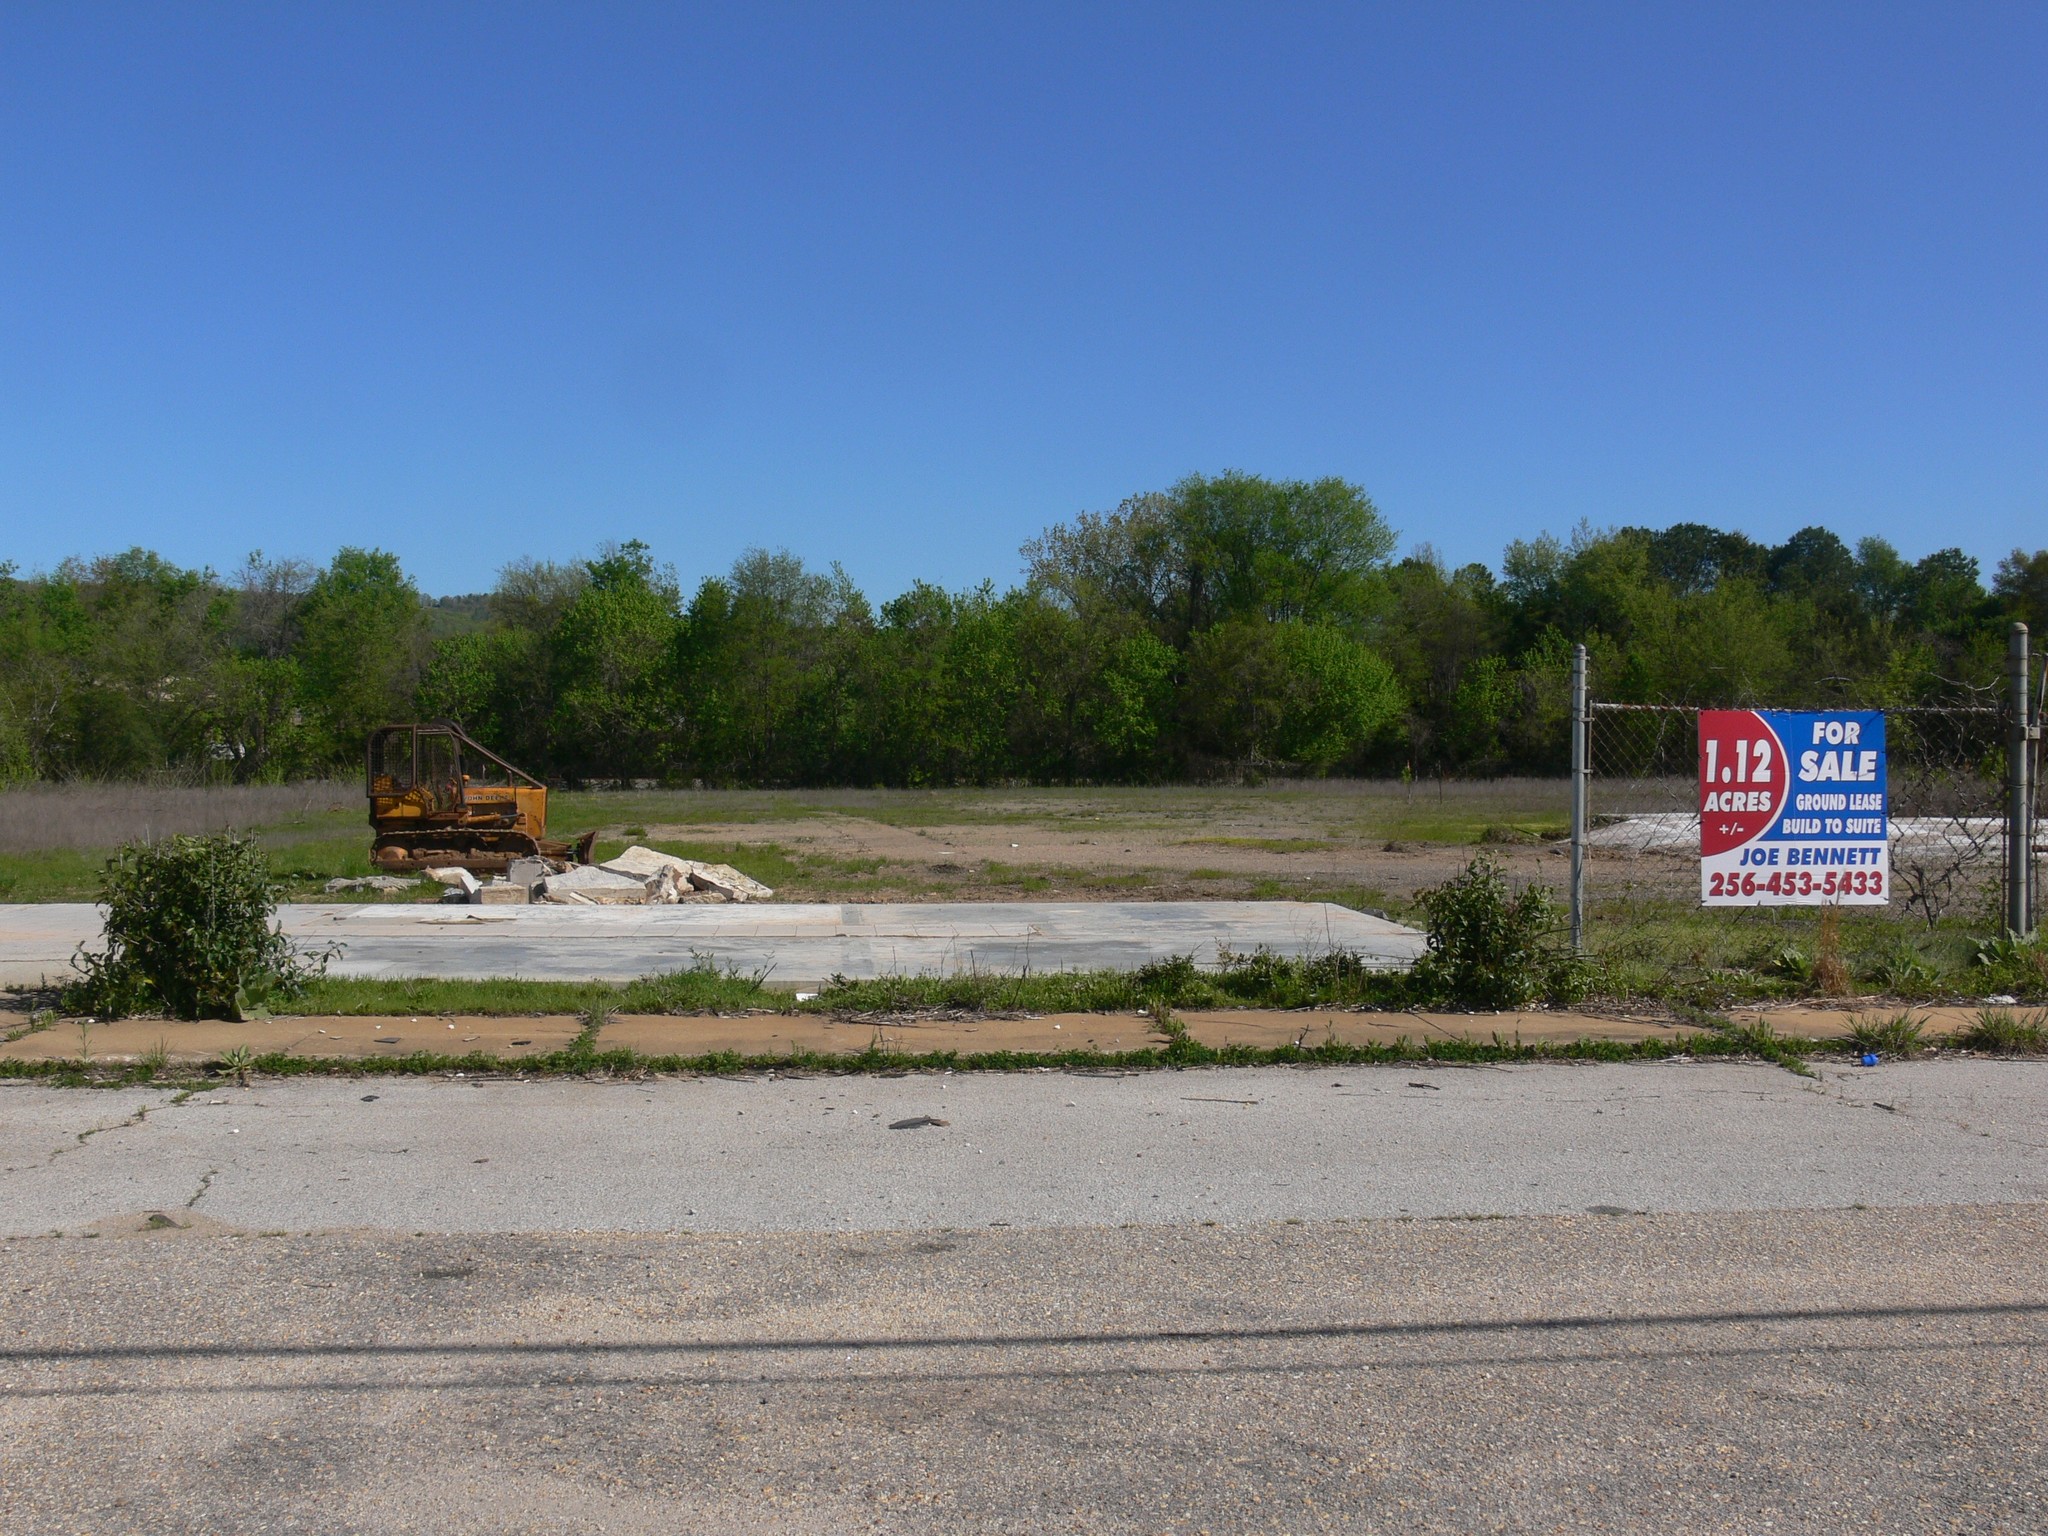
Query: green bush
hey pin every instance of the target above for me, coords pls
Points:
(1490, 947)
(188, 931)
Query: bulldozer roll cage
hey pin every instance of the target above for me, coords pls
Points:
(439, 798)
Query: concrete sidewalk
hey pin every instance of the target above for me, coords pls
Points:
(797, 945)
(512, 1037)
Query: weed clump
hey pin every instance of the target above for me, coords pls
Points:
(1902, 971)
(238, 1060)
(1172, 980)
(1490, 947)
(1899, 1035)
(1756, 1037)
(1830, 971)
(2013, 964)
(2006, 1033)
(189, 931)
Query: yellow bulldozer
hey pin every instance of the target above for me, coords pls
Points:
(438, 799)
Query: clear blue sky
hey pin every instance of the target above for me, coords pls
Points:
(901, 285)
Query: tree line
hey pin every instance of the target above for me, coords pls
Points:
(1231, 625)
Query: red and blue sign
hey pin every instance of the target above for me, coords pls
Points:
(1793, 808)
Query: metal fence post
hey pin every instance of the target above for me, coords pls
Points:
(2019, 832)
(1582, 767)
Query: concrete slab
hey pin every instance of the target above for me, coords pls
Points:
(796, 944)
(366, 1038)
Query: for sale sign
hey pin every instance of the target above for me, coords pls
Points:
(1792, 808)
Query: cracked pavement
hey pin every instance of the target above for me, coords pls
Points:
(1700, 1297)
(798, 1153)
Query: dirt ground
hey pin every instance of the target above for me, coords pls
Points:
(1360, 839)
(1365, 842)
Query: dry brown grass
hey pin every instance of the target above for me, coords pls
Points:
(94, 816)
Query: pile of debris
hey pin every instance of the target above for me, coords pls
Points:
(384, 885)
(639, 877)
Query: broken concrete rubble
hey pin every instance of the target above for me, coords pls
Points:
(592, 883)
(646, 877)
(723, 880)
(646, 863)
(386, 883)
(530, 872)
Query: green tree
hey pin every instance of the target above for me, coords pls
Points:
(1274, 694)
(2022, 587)
(1127, 708)
(1335, 695)
(1223, 549)
(1434, 627)
(361, 639)
(982, 683)
(1727, 645)
(614, 650)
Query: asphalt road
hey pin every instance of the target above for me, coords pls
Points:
(1046, 1149)
(1797, 1307)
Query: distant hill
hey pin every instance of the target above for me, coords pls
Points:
(457, 615)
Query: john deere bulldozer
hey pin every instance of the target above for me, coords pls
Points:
(438, 799)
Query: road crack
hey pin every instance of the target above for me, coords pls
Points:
(87, 1134)
(205, 1183)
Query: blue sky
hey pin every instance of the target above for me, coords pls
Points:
(899, 286)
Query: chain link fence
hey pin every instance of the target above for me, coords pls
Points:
(1948, 805)
(1966, 846)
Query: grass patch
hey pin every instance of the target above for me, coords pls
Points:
(701, 990)
(838, 865)
(1664, 948)
(576, 811)
(92, 817)
(39, 1019)
(52, 874)
(1283, 888)
(55, 841)
(1260, 979)
(1524, 833)
(1757, 1038)
(1256, 980)
(1180, 1051)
